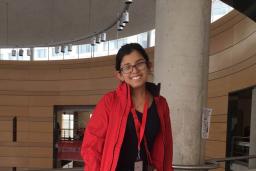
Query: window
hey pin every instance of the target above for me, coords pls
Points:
(40, 53)
(67, 126)
(85, 48)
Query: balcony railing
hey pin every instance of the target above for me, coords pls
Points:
(209, 164)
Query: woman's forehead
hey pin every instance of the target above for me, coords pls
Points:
(132, 58)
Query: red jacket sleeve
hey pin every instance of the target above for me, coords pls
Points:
(94, 136)
(168, 139)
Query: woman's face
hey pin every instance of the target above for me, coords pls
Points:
(134, 69)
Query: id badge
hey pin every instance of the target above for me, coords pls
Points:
(138, 165)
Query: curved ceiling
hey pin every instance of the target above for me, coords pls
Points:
(29, 23)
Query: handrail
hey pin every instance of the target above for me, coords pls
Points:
(209, 164)
(232, 158)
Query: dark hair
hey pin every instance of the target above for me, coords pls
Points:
(126, 50)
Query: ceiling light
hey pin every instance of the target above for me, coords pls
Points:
(28, 52)
(119, 26)
(125, 17)
(98, 39)
(128, 1)
(122, 24)
(93, 41)
(21, 52)
(13, 52)
(70, 47)
(103, 37)
(57, 49)
(62, 48)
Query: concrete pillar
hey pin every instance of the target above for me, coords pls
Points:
(181, 65)
(252, 151)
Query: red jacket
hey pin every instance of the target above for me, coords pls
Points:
(105, 131)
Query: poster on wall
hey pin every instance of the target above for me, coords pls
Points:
(206, 120)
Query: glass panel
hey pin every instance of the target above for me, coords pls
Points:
(73, 54)
(53, 55)
(6, 54)
(142, 39)
(85, 51)
(132, 39)
(81, 51)
(101, 49)
(67, 126)
(25, 56)
(152, 38)
(41, 53)
(112, 47)
(219, 9)
(121, 42)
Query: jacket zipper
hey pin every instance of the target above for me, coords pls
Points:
(117, 137)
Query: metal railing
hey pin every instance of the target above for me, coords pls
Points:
(209, 164)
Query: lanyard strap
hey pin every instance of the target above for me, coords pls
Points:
(140, 127)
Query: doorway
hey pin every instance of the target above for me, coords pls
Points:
(69, 125)
(239, 128)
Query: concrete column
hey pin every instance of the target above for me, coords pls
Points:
(252, 151)
(181, 65)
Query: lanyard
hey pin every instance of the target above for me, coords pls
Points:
(140, 127)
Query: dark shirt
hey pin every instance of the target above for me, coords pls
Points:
(129, 149)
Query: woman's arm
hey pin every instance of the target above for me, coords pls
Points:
(168, 139)
(94, 138)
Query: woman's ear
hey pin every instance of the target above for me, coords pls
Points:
(119, 76)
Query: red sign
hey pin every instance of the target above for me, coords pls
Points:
(69, 150)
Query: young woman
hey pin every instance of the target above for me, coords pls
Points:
(130, 127)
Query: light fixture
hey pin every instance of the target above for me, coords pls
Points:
(103, 37)
(57, 49)
(21, 52)
(128, 1)
(122, 24)
(93, 41)
(62, 48)
(28, 52)
(13, 52)
(70, 47)
(119, 26)
(98, 39)
(125, 17)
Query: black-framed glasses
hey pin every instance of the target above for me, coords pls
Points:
(129, 68)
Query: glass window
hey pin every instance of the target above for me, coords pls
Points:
(84, 51)
(53, 55)
(112, 47)
(121, 42)
(67, 126)
(25, 56)
(40, 53)
(6, 54)
(81, 51)
(152, 38)
(219, 9)
(143, 39)
(73, 54)
(100, 50)
(132, 39)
